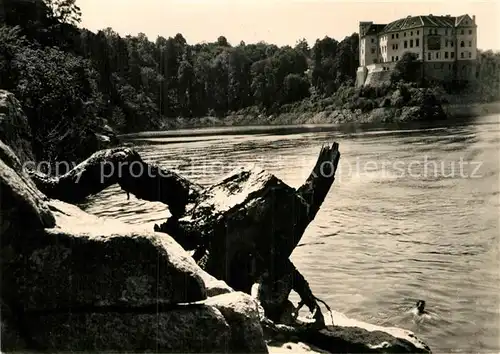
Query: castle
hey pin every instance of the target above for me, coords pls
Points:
(446, 47)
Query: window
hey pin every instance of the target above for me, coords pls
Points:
(470, 43)
(461, 31)
(418, 32)
(446, 32)
(373, 50)
(437, 55)
(397, 35)
(452, 55)
(470, 31)
(446, 43)
(406, 44)
(435, 31)
(429, 56)
(392, 58)
(449, 66)
(462, 55)
(462, 44)
(411, 43)
(392, 36)
(470, 55)
(397, 58)
(451, 43)
(404, 34)
(446, 55)
(417, 42)
(373, 40)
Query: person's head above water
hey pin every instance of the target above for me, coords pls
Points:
(420, 306)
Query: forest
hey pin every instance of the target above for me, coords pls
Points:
(72, 82)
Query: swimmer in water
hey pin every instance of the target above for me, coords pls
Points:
(420, 307)
(420, 312)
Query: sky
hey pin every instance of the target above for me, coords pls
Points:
(274, 21)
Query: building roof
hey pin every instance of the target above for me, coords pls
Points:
(374, 29)
(411, 22)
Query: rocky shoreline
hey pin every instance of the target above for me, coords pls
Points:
(72, 281)
(337, 117)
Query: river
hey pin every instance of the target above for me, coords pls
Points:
(413, 214)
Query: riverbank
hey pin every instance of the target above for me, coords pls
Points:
(249, 124)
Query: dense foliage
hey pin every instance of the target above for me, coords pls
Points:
(71, 81)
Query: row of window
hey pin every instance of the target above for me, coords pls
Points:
(437, 55)
(448, 55)
(431, 31)
(417, 44)
(395, 46)
(446, 32)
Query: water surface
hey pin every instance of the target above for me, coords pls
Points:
(413, 214)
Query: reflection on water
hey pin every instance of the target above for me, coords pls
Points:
(413, 214)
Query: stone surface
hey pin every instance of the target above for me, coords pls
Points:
(353, 336)
(240, 312)
(89, 261)
(23, 207)
(186, 329)
(213, 285)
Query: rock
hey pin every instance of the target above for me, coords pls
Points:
(23, 207)
(291, 347)
(14, 128)
(89, 261)
(213, 285)
(10, 334)
(186, 329)
(337, 339)
(352, 336)
(397, 99)
(240, 312)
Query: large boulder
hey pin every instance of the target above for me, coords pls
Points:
(241, 313)
(89, 261)
(23, 207)
(346, 336)
(194, 328)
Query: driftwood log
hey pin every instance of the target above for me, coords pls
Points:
(243, 228)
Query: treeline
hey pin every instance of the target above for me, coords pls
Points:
(142, 81)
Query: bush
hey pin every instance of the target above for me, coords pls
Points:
(58, 92)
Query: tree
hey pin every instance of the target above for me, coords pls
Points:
(59, 95)
(303, 47)
(296, 88)
(64, 11)
(222, 41)
(406, 69)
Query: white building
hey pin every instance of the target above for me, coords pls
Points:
(446, 41)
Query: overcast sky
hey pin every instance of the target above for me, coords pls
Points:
(274, 21)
